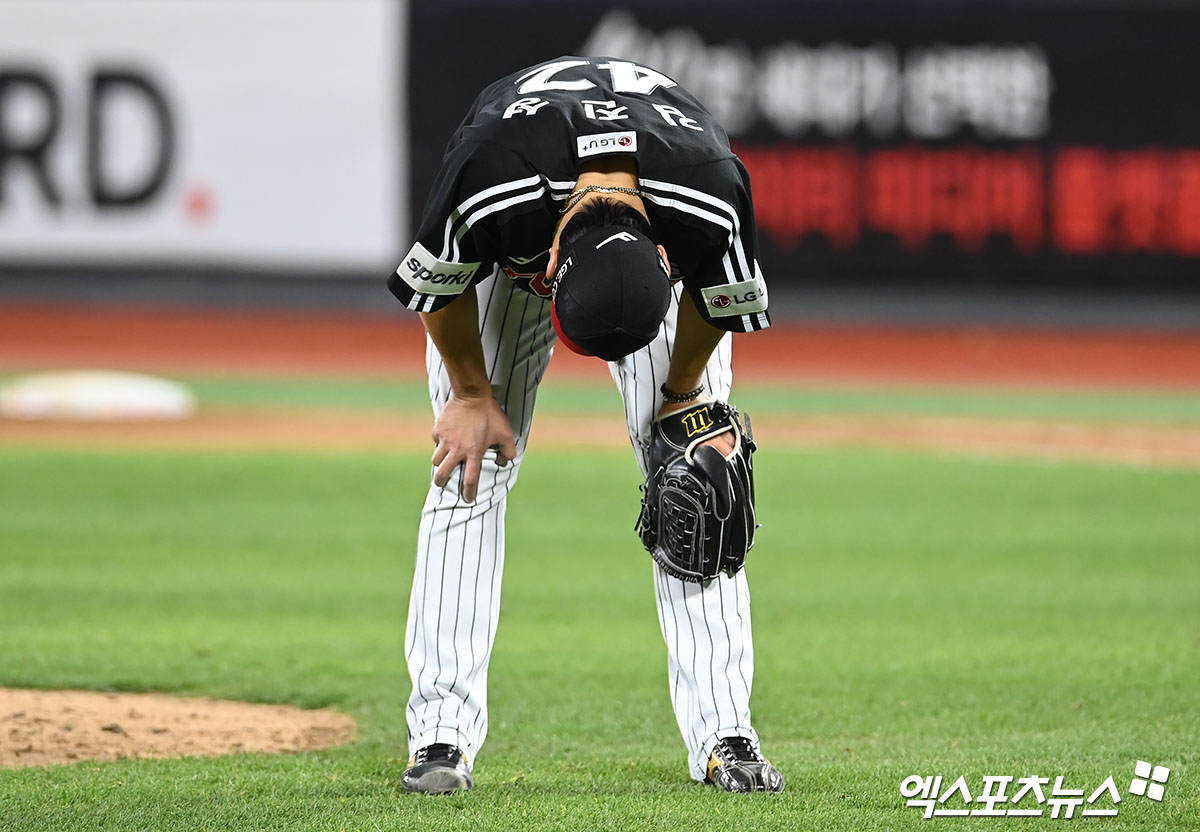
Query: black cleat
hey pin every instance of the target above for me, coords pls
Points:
(737, 766)
(437, 769)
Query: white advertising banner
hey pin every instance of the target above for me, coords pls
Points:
(261, 133)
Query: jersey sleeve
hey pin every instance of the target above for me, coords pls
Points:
(725, 280)
(455, 246)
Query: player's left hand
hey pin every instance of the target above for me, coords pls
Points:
(698, 517)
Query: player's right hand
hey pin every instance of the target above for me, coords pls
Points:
(465, 430)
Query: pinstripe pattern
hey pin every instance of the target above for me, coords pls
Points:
(710, 655)
(455, 602)
(454, 606)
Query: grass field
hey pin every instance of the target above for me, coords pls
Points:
(570, 397)
(914, 614)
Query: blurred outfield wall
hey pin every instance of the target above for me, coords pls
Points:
(895, 145)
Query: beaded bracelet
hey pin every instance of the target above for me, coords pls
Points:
(671, 396)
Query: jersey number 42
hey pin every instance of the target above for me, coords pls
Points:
(626, 77)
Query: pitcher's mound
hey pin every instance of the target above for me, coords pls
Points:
(39, 728)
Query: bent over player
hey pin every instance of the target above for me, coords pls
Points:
(595, 202)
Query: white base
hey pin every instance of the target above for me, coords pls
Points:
(95, 396)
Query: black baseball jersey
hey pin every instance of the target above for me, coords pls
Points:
(512, 162)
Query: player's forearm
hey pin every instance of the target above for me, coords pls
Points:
(695, 340)
(455, 332)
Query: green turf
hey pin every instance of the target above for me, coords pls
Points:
(565, 396)
(568, 396)
(913, 615)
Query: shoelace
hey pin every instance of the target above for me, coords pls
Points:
(740, 749)
(437, 751)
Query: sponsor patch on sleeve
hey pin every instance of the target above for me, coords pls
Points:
(427, 275)
(595, 144)
(732, 299)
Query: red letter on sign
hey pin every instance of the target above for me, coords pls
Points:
(1081, 202)
(890, 202)
(799, 192)
(1015, 195)
(1184, 217)
(1138, 182)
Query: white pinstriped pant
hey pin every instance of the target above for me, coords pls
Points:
(455, 602)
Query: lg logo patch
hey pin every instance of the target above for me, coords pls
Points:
(735, 299)
(725, 301)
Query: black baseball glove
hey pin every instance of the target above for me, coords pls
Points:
(697, 515)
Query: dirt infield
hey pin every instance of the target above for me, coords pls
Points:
(377, 431)
(173, 340)
(39, 728)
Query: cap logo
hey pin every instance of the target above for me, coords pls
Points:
(620, 235)
(558, 276)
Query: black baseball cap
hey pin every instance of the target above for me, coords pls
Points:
(611, 292)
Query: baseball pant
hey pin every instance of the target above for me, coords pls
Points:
(455, 603)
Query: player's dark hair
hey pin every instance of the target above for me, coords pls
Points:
(601, 213)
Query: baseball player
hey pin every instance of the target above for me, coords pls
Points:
(595, 202)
